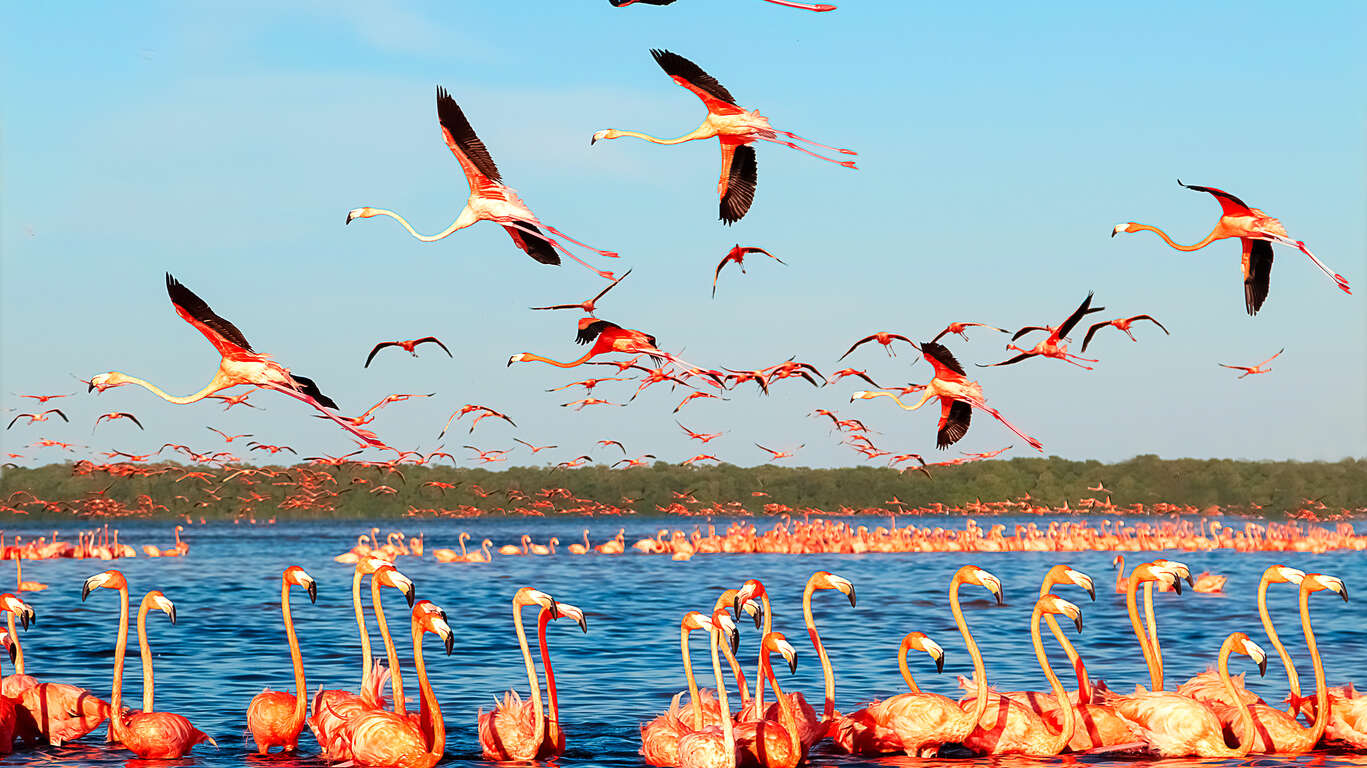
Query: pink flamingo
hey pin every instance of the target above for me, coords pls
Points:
(275, 717)
(515, 730)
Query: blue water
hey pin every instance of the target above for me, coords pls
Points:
(229, 643)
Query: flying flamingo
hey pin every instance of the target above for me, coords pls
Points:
(44, 398)
(117, 415)
(818, 7)
(514, 730)
(604, 337)
(958, 329)
(1053, 344)
(958, 397)
(733, 126)
(382, 739)
(882, 337)
(776, 455)
(843, 372)
(227, 438)
(738, 254)
(534, 448)
(490, 199)
(1249, 370)
(147, 734)
(1123, 323)
(37, 417)
(240, 364)
(590, 305)
(1256, 232)
(409, 346)
(275, 717)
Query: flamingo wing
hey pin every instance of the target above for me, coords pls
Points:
(1150, 318)
(955, 416)
(59, 413)
(1274, 357)
(611, 285)
(692, 77)
(1091, 332)
(465, 145)
(1083, 310)
(225, 336)
(941, 360)
(756, 249)
(1023, 331)
(377, 348)
(1229, 204)
(1257, 262)
(717, 274)
(738, 185)
(133, 419)
(855, 346)
(625, 3)
(536, 246)
(309, 388)
(590, 331)
(434, 340)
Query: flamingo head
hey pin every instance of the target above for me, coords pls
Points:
(1154, 572)
(371, 563)
(971, 574)
(722, 623)
(826, 580)
(919, 642)
(749, 599)
(427, 606)
(606, 133)
(23, 610)
(155, 599)
(430, 618)
(862, 394)
(1180, 570)
(1315, 582)
(565, 609)
(1240, 643)
(296, 576)
(359, 213)
(110, 579)
(529, 596)
(1282, 574)
(520, 357)
(103, 381)
(1127, 227)
(389, 576)
(1062, 574)
(1060, 607)
(775, 641)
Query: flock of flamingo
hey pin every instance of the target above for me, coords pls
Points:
(1212, 715)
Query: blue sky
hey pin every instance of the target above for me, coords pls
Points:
(998, 146)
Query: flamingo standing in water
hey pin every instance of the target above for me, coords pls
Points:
(490, 199)
(514, 730)
(774, 741)
(51, 713)
(383, 739)
(275, 717)
(1256, 232)
(240, 364)
(715, 745)
(866, 731)
(660, 737)
(734, 127)
(958, 397)
(148, 734)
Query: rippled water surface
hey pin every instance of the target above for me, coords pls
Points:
(229, 643)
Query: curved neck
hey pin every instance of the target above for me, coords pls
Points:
(300, 690)
(360, 626)
(906, 671)
(759, 675)
(979, 672)
(1131, 605)
(1084, 685)
(215, 384)
(539, 726)
(828, 676)
(530, 357)
(429, 701)
(120, 646)
(14, 640)
(463, 537)
(1292, 679)
(728, 735)
(552, 706)
(1120, 573)
(1244, 715)
(736, 671)
(785, 706)
(1153, 634)
(692, 682)
(1207, 241)
(1321, 693)
(462, 221)
(1065, 708)
(146, 650)
(699, 133)
(391, 653)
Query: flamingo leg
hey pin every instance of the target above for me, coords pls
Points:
(1339, 280)
(791, 145)
(1067, 359)
(818, 7)
(556, 245)
(606, 254)
(1037, 445)
(792, 135)
(369, 437)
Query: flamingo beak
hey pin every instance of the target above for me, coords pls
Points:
(939, 663)
(1343, 591)
(172, 614)
(593, 139)
(1262, 667)
(312, 589)
(410, 593)
(850, 595)
(1077, 621)
(1177, 586)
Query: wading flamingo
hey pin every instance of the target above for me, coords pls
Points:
(409, 346)
(383, 739)
(1347, 721)
(774, 742)
(868, 731)
(239, 365)
(9, 718)
(514, 730)
(714, 746)
(490, 199)
(275, 717)
(147, 734)
(555, 737)
(332, 708)
(51, 713)
(958, 397)
(660, 737)
(1256, 232)
(734, 127)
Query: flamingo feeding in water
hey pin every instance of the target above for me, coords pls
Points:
(734, 127)
(1256, 232)
(275, 717)
(240, 364)
(490, 199)
(148, 734)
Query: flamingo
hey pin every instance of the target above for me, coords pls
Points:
(959, 328)
(1053, 344)
(514, 731)
(867, 731)
(490, 199)
(776, 455)
(147, 734)
(1249, 370)
(605, 337)
(590, 305)
(240, 364)
(9, 718)
(715, 745)
(37, 417)
(774, 743)
(555, 737)
(409, 346)
(734, 127)
(20, 584)
(382, 739)
(117, 415)
(52, 713)
(958, 397)
(660, 737)
(882, 337)
(818, 7)
(275, 717)
(1122, 323)
(738, 254)
(1256, 232)
(12, 685)
(1347, 718)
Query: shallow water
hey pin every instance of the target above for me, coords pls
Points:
(229, 643)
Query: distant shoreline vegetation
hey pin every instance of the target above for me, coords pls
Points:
(1273, 489)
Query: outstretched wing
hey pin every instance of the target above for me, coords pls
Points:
(589, 331)
(377, 348)
(756, 249)
(738, 186)
(1091, 332)
(192, 309)
(534, 245)
(308, 387)
(692, 77)
(1257, 258)
(58, 411)
(436, 341)
(134, 419)
(1015, 359)
(465, 145)
(717, 274)
(1150, 318)
(1022, 331)
(1083, 310)
(955, 416)
(855, 346)
(1229, 204)
(940, 359)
